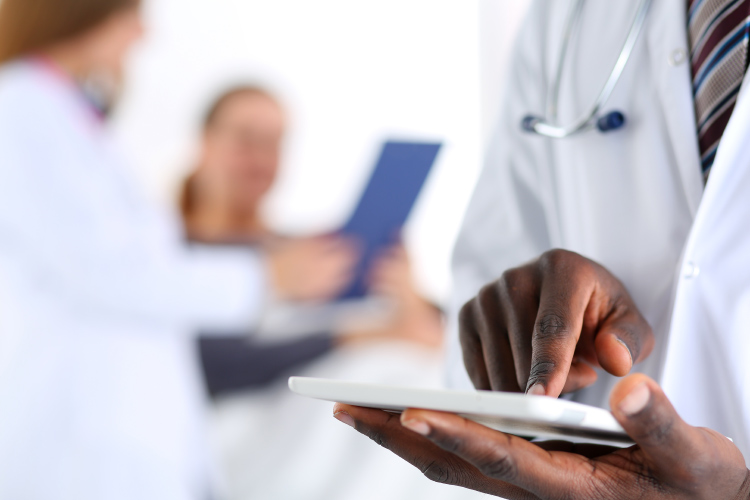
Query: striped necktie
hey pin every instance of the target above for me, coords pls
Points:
(719, 31)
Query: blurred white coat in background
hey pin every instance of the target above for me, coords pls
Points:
(100, 397)
(351, 74)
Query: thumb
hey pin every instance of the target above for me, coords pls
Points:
(622, 341)
(648, 417)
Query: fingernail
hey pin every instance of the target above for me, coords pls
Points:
(344, 417)
(537, 390)
(632, 361)
(636, 401)
(418, 426)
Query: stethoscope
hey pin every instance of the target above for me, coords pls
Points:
(614, 120)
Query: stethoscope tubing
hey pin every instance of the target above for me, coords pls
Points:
(588, 121)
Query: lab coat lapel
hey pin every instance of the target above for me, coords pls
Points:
(667, 35)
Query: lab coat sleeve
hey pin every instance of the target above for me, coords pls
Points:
(101, 252)
(506, 223)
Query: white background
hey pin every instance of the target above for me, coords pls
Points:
(352, 73)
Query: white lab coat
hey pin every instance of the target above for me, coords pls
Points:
(632, 200)
(100, 396)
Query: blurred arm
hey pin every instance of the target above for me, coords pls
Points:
(81, 233)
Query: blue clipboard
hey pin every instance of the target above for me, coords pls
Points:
(386, 203)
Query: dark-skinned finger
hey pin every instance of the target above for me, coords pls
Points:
(518, 292)
(668, 443)
(493, 332)
(488, 323)
(624, 339)
(567, 287)
(689, 461)
(616, 334)
(504, 457)
(471, 347)
(435, 463)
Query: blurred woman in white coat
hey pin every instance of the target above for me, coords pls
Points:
(99, 394)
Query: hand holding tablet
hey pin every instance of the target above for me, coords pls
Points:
(540, 329)
(517, 414)
(672, 460)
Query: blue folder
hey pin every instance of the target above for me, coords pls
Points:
(387, 201)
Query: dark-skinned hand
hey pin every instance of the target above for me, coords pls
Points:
(542, 327)
(671, 459)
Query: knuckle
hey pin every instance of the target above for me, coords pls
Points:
(376, 435)
(619, 304)
(552, 325)
(449, 443)
(437, 472)
(485, 315)
(516, 287)
(497, 465)
(488, 297)
(654, 429)
(448, 472)
(512, 279)
(563, 263)
(556, 259)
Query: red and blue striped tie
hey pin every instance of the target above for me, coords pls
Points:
(719, 31)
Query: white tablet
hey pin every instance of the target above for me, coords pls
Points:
(519, 414)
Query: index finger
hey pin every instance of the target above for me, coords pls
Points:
(564, 297)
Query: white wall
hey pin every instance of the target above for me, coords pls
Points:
(352, 73)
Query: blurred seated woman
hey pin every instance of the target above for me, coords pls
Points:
(242, 140)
